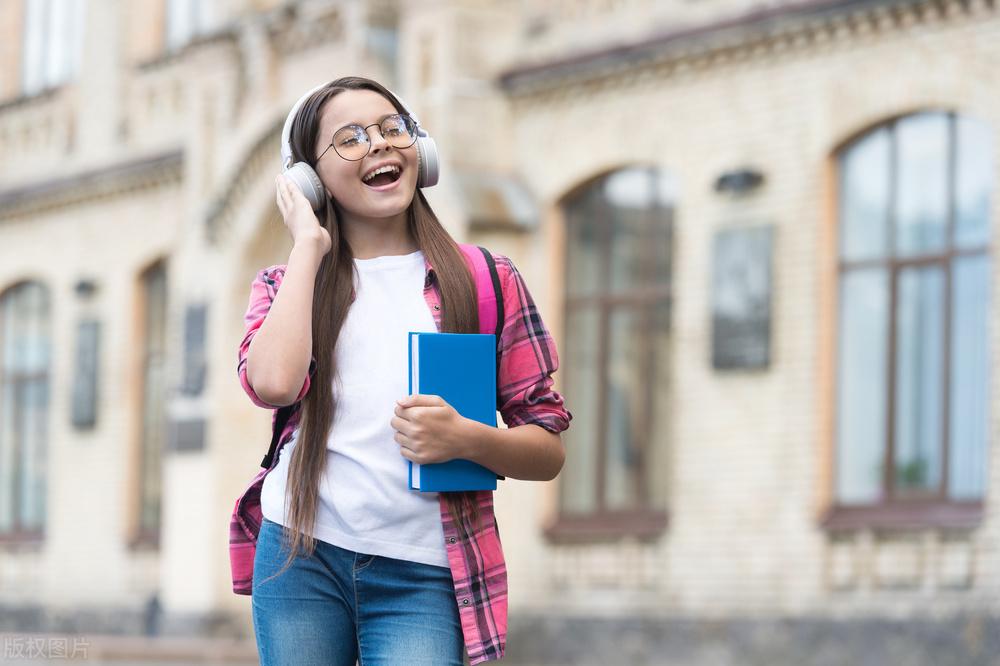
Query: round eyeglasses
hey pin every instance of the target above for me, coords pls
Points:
(353, 143)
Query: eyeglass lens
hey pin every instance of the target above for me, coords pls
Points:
(353, 143)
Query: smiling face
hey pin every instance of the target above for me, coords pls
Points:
(386, 195)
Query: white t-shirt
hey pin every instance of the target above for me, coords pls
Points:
(365, 503)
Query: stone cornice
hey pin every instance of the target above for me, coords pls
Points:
(114, 180)
(40, 97)
(780, 29)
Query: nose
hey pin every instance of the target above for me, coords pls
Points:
(377, 140)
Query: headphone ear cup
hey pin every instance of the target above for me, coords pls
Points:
(308, 182)
(427, 156)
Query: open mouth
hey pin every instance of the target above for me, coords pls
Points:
(382, 176)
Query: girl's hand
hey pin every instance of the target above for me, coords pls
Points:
(299, 217)
(428, 429)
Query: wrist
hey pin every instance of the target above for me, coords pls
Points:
(471, 440)
(309, 249)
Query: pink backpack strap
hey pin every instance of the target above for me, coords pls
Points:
(491, 316)
(484, 271)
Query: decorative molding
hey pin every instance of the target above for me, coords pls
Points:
(228, 35)
(292, 31)
(263, 154)
(794, 27)
(22, 100)
(129, 176)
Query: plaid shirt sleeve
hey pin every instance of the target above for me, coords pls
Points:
(528, 358)
(262, 293)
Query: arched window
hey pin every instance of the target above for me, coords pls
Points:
(914, 290)
(614, 365)
(25, 356)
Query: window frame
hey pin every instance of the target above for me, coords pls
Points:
(19, 535)
(914, 509)
(200, 20)
(36, 70)
(644, 521)
(145, 535)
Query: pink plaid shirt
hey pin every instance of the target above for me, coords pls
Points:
(527, 361)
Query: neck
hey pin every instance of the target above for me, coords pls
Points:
(377, 236)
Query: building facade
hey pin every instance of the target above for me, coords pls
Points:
(761, 234)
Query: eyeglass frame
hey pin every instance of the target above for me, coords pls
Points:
(416, 126)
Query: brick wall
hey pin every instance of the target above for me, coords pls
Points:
(747, 479)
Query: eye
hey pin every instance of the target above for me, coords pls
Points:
(394, 126)
(350, 136)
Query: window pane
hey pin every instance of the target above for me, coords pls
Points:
(76, 30)
(33, 454)
(26, 343)
(34, 46)
(581, 384)
(626, 396)
(36, 313)
(65, 39)
(56, 61)
(204, 14)
(861, 392)
(180, 24)
(8, 430)
(153, 435)
(631, 194)
(864, 180)
(974, 175)
(583, 252)
(154, 394)
(919, 378)
(922, 185)
(662, 240)
(970, 377)
(657, 460)
(156, 310)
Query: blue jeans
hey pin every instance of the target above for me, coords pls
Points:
(338, 606)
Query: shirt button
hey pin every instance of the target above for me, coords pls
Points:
(437, 307)
(465, 602)
(451, 539)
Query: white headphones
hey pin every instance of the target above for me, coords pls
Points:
(305, 177)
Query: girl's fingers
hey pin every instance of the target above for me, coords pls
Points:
(283, 195)
(290, 192)
(280, 201)
(294, 192)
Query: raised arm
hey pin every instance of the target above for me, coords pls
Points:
(278, 343)
(280, 352)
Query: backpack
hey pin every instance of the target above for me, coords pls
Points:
(491, 318)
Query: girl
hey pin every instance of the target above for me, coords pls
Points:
(350, 564)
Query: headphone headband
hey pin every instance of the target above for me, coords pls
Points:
(286, 131)
(306, 178)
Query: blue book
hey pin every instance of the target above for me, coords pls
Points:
(461, 368)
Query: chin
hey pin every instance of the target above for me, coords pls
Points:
(383, 212)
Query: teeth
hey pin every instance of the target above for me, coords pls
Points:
(388, 168)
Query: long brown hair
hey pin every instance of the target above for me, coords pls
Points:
(331, 301)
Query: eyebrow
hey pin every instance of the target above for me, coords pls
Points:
(360, 124)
